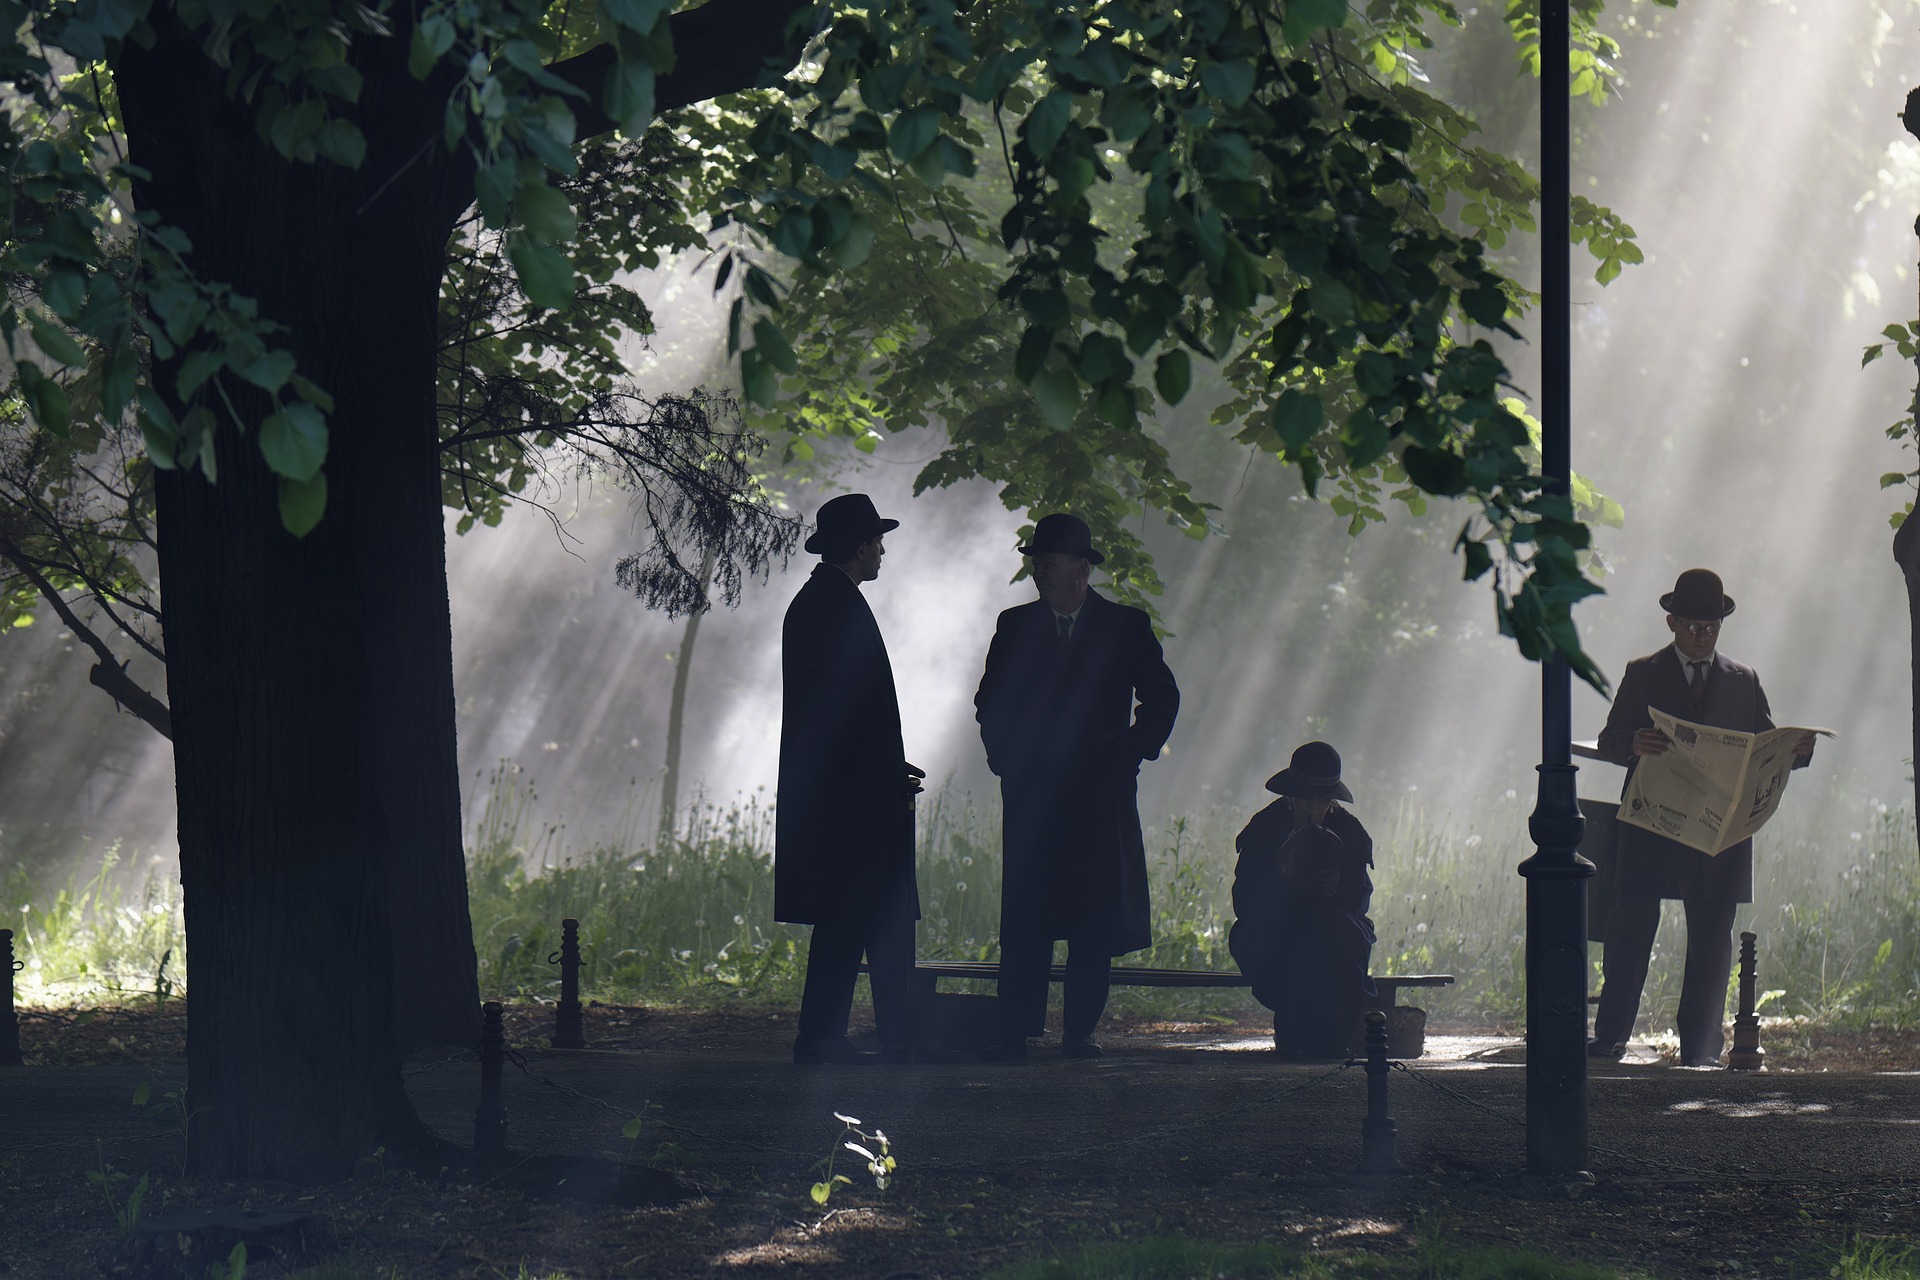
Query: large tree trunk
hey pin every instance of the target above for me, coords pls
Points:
(311, 679)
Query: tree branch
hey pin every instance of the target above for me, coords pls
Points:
(721, 47)
(109, 673)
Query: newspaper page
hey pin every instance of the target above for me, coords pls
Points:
(1713, 787)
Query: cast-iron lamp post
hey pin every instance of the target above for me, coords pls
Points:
(1556, 875)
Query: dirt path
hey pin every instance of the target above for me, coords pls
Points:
(1177, 1130)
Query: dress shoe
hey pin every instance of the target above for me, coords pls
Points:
(1610, 1052)
(1008, 1051)
(1701, 1061)
(1080, 1047)
(832, 1053)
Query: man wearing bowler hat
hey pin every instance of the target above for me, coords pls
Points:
(1690, 679)
(1300, 896)
(1076, 694)
(843, 827)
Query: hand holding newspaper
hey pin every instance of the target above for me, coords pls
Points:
(1712, 788)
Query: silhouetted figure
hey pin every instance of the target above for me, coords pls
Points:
(1300, 896)
(1057, 714)
(1689, 679)
(843, 828)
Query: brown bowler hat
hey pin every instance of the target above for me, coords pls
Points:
(1697, 594)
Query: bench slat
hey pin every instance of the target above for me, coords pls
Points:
(1131, 976)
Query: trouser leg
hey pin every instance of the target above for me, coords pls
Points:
(1703, 990)
(1089, 977)
(1024, 961)
(890, 974)
(833, 962)
(1630, 929)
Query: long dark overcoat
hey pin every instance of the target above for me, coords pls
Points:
(843, 828)
(1064, 735)
(1733, 700)
(1284, 936)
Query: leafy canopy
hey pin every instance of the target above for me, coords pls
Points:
(1253, 185)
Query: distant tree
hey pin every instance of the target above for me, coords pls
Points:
(231, 226)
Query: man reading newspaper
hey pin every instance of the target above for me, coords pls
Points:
(1687, 681)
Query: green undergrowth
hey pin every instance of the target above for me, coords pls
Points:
(1179, 1258)
(689, 919)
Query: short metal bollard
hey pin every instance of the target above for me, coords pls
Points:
(568, 1033)
(1377, 1130)
(9, 1021)
(1747, 1055)
(490, 1117)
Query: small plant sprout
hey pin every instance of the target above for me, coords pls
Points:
(873, 1147)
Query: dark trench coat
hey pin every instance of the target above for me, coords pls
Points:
(843, 827)
(1306, 955)
(1065, 737)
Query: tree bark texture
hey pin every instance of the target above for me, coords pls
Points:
(311, 679)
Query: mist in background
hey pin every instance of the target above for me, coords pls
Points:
(1756, 151)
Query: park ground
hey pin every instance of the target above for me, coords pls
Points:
(1189, 1150)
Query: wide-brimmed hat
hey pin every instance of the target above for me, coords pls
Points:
(849, 518)
(1313, 771)
(1697, 594)
(1062, 534)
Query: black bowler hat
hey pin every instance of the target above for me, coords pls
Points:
(847, 521)
(1697, 594)
(1062, 534)
(1313, 771)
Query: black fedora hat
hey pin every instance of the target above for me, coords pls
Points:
(848, 519)
(1313, 771)
(1697, 594)
(1062, 534)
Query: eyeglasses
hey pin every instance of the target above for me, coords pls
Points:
(1702, 628)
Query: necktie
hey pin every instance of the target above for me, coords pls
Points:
(1066, 627)
(1697, 683)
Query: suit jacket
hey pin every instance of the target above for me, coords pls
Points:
(843, 826)
(1733, 700)
(1064, 733)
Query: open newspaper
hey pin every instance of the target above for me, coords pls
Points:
(1713, 787)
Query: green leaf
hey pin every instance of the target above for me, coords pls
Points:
(493, 188)
(758, 379)
(913, 132)
(773, 346)
(1173, 375)
(1297, 418)
(302, 503)
(545, 274)
(856, 245)
(629, 95)
(269, 370)
(821, 1191)
(631, 1129)
(46, 399)
(1306, 18)
(545, 212)
(1478, 558)
(1046, 122)
(341, 142)
(294, 441)
(1231, 82)
(1892, 478)
(1058, 393)
(54, 340)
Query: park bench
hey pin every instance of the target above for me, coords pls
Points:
(956, 1018)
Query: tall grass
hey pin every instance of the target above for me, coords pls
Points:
(689, 918)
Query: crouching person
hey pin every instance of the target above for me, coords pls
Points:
(1300, 898)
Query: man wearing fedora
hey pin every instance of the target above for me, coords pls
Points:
(843, 826)
(1075, 696)
(1300, 896)
(1690, 679)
